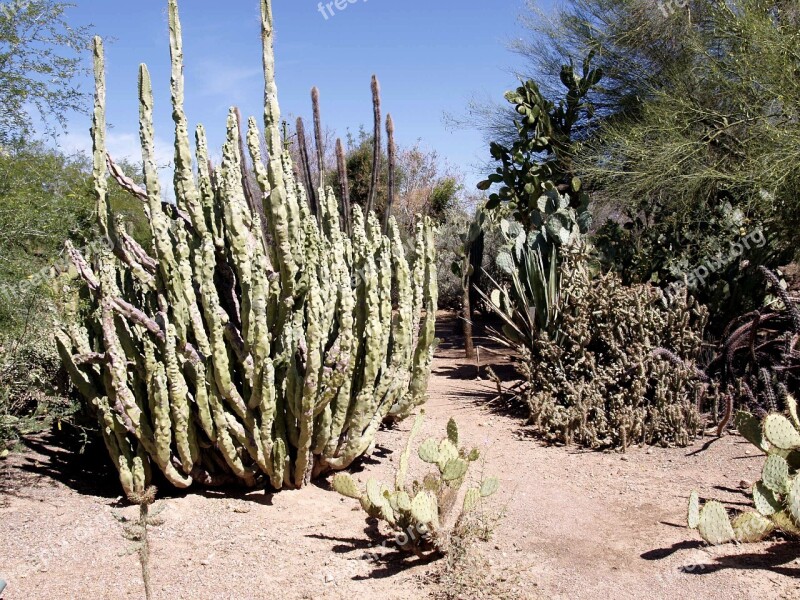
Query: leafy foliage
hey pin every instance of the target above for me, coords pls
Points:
(45, 198)
(40, 57)
(727, 244)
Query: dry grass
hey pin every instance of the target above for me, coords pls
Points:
(465, 573)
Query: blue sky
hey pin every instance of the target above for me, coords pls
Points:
(431, 56)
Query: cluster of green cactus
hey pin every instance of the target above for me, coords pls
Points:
(420, 510)
(588, 358)
(243, 347)
(776, 495)
(537, 168)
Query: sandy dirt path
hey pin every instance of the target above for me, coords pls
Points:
(578, 525)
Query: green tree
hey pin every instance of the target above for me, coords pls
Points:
(45, 198)
(40, 57)
(698, 136)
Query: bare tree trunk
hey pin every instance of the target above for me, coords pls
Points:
(469, 343)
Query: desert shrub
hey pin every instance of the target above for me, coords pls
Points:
(32, 387)
(447, 243)
(45, 197)
(724, 247)
(449, 246)
(756, 362)
(590, 354)
(597, 380)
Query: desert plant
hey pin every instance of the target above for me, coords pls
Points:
(757, 361)
(420, 512)
(540, 158)
(136, 531)
(222, 357)
(466, 266)
(756, 368)
(776, 495)
(587, 350)
(528, 307)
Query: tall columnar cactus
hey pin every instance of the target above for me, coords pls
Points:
(229, 352)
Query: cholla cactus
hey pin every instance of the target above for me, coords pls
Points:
(419, 511)
(588, 355)
(776, 495)
(241, 348)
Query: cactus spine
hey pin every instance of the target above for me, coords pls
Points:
(220, 357)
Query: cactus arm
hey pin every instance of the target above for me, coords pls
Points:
(376, 145)
(99, 140)
(272, 112)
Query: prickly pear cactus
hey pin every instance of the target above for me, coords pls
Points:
(776, 495)
(254, 341)
(420, 511)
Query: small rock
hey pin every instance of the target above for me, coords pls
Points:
(745, 485)
(205, 562)
(624, 457)
(3, 454)
(328, 578)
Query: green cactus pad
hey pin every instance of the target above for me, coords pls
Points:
(714, 525)
(471, 499)
(764, 498)
(751, 527)
(403, 501)
(387, 514)
(424, 508)
(447, 452)
(474, 455)
(452, 432)
(429, 451)
(693, 518)
(780, 432)
(367, 505)
(489, 486)
(775, 475)
(749, 427)
(793, 499)
(455, 469)
(375, 493)
(791, 406)
(783, 521)
(346, 486)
